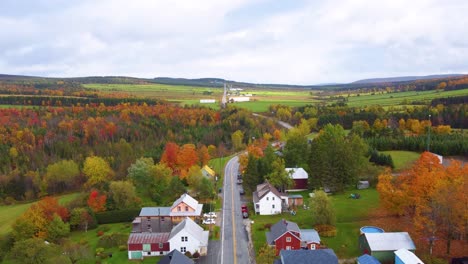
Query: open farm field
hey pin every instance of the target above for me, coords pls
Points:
(389, 99)
(191, 95)
(9, 213)
(351, 214)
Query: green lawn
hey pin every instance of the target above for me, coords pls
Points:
(9, 213)
(351, 215)
(402, 159)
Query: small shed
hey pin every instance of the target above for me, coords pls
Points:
(362, 185)
(295, 200)
(299, 176)
(404, 256)
(383, 245)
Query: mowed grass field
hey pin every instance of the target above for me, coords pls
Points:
(351, 215)
(402, 159)
(9, 213)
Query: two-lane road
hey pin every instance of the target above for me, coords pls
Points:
(234, 240)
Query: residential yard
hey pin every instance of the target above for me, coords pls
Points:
(9, 213)
(351, 215)
(91, 239)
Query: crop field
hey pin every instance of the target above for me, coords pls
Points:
(9, 213)
(191, 95)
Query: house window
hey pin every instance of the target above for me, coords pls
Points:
(268, 198)
(183, 249)
(288, 247)
(186, 208)
(147, 247)
(149, 253)
(184, 239)
(178, 209)
(273, 198)
(161, 253)
(273, 206)
(288, 239)
(161, 245)
(312, 246)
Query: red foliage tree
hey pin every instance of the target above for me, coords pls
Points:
(96, 201)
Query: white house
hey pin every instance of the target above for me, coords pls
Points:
(187, 236)
(234, 99)
(300, 177)
(267, 199)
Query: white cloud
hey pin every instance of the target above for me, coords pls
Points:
(331, 41)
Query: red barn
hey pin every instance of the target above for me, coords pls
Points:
(147, 244)
(284, 235)
(300, 177)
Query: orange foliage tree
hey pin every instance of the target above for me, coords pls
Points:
(434, 196)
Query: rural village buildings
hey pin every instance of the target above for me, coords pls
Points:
(159, 230)
(286, 235)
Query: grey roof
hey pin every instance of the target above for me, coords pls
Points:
(175, 257)
(390, 241)
(155, 211)
(297, 173)
(310, 235)
(279, 229)
(264, 188)
(318, 256)
(367, 259)
(191, 227)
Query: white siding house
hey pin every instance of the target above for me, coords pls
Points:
(267, 200)
(188, 236)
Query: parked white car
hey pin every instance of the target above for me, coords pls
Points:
(210, 215)
(209, 221)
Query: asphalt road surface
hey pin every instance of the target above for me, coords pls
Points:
(234, 240)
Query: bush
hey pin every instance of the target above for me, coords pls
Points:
(100, 233)
(188, 254)
(196, 255)
(326, 230)
(117, 216)
(99, 251)
(122, 248)
(267, 226)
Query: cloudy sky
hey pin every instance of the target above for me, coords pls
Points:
(267, 41)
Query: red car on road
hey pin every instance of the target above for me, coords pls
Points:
(245, 211)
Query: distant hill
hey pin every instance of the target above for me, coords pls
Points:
(405, 78)
(397, 83)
